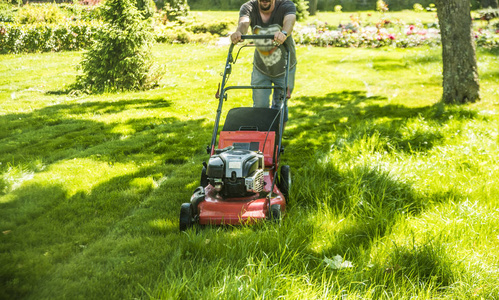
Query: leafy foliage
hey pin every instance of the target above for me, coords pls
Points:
(33, 13)
(175, 9)
(21, 38)
(7, 12)
(120, 58)
(301, 9)
(147, 8)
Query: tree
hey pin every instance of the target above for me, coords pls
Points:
(120, 59)
(312, 7)
(460, 72)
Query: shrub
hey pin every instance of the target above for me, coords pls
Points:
(19, 38)
(381, 6)
(81, 12)
(147, 8)
(7, 12)
(39, 13)
(301, 9)
(175, 9)
(418, 8)
(431, 7)
(120, 59)
(218, 28)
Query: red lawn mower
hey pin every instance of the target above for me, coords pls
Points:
(242, 182)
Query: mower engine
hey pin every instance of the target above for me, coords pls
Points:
(236, 172)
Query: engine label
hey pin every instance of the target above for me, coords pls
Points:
(234, 165)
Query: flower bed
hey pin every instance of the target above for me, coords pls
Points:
(384, 33)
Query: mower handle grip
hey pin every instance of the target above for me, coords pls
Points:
(257, 36)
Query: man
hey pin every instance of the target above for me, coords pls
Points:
(274, 17)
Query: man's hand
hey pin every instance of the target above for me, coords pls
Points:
(279, 38)
(236, 37)
(242, 28)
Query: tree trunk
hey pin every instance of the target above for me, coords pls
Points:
(460, 74)
(312, 7)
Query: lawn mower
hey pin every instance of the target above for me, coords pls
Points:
(242, 183)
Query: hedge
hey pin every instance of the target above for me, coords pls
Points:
(20, 38)
(46, 37)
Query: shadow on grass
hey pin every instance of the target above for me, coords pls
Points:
(41, 216)
(56, 239)
(317, 123)
(370, 198)
(165, 145)
(68, 131)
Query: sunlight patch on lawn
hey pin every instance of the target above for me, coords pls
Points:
(163, 225)
(83, 174)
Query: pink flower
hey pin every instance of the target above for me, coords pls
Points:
(391, 36)
(412, 27)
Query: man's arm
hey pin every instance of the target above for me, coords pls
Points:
(242, 28)
(287, 25)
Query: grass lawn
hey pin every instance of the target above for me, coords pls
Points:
(394, 195)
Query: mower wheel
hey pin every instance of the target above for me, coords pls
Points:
(186, 219)
(284, 181)
(275, 212)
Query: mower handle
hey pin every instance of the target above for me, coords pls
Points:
(257, 36)
(230, 60)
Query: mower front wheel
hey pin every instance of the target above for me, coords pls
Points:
(186, 216)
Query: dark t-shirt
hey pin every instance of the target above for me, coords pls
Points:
(270, 60)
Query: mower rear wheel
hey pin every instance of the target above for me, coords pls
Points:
(275, 212)
(284, 181)
(186, 218)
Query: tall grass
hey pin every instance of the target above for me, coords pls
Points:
(394, 195)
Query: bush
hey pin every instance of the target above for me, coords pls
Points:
(81, 12)
(21, 38)
(147, 8)
(216, 28)
(7, 12)
(301, 9)
(39, 13)
(121, 58)
(174, 9)
(418, 8)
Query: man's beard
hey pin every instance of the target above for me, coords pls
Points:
(262, 8)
